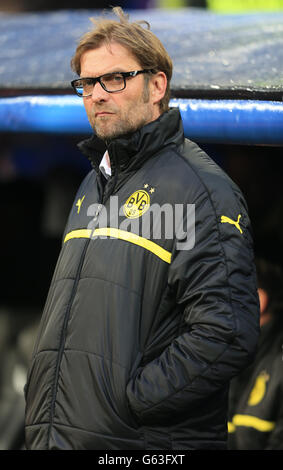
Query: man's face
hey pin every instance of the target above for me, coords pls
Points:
(115, 114)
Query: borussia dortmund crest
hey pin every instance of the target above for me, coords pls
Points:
(137, 204)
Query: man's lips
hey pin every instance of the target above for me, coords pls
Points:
(102, 113)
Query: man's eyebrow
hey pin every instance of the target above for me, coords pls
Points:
(115, 71)
(106, 73)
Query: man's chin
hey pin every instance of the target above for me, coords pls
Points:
(111, 135)
(106, 137)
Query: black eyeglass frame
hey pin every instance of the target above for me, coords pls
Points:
(98, 79)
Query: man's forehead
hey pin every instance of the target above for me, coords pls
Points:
(106, 58)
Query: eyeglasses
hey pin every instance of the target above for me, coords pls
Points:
(110, 82)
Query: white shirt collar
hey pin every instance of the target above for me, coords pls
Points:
(104, 167)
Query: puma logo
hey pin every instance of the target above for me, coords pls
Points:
(79, 203)
(225, 219)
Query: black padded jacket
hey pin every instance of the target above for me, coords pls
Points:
(141, 333)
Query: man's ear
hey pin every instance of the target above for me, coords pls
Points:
(158, 86)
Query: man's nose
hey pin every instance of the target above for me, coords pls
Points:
(98, 93)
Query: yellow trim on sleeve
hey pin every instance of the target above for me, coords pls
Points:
(122, 235)
(261, 425)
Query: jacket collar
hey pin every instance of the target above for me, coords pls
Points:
(130, 151)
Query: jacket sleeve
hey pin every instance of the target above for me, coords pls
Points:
(214, 283)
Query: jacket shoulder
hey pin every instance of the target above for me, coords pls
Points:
(207, 178)
(207, 170)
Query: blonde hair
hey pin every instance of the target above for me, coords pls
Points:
(140, 41)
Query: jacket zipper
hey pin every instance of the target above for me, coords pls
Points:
(62, 341)
(102, 199)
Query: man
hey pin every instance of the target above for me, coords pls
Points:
(256, 405)
(141, 335)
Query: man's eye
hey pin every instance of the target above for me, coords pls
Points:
(87, 82)
(113, 77)
(118, 78)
